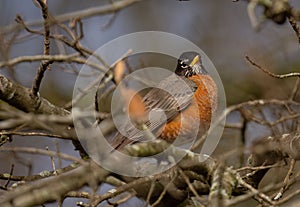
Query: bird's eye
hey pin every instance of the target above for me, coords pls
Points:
(184, 66)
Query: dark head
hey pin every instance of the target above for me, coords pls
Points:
(189, 64)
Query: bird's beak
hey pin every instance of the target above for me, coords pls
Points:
(195, 61)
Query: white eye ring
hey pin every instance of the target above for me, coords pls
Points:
(184, 66)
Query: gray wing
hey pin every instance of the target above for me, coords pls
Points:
(171, 96)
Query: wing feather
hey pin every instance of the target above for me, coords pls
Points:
(171, 96)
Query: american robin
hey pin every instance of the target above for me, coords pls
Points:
(182, 106)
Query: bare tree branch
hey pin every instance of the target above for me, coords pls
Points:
(21, 98)
(42, 152)
(38, 193)
(45, 65)
(295, 26)
(86, 13)
(52, 58)
(288, 75)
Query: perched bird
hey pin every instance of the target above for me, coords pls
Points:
(188, 99)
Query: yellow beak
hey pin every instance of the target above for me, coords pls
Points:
(195, 61)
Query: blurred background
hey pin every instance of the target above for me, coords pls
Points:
(220, 28)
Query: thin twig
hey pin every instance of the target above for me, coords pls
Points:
(289, 197)
(259, 167)
(150, 192)
(191, 187)
(295, 74)
(125, 187)
(42, 152)
(85, 13)
(236, 200)
(53, 58)
(52, 189)
(10, 175)
(101, 80)
(44, 64)
(121, 200)
(58, 151)
(52, 160)
(6, 176)
(162, 194)
(295, 26)
(286, 180)
(261, 195)
(31, 134)
(74, 43)
(268, 188)
(78, 194)
(295, 89)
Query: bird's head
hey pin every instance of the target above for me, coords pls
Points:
(189, 64)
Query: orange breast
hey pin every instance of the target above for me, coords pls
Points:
(198, 113)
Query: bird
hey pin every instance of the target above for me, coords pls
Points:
(188, 98)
